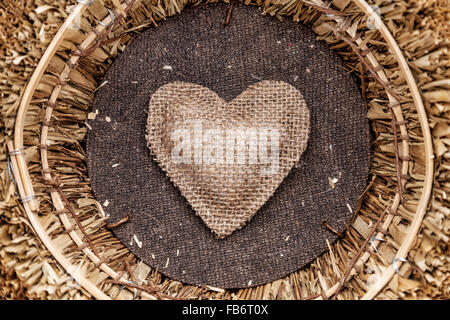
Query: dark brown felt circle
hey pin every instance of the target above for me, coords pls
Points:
(287, 232)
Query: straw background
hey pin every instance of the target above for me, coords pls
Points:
(28, 270)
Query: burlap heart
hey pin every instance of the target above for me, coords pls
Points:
(227, 159)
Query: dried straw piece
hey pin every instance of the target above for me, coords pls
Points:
(230, 10)
(118, 223)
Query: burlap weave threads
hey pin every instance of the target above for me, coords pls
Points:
(232, 156)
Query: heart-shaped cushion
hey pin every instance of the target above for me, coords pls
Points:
(227, 159)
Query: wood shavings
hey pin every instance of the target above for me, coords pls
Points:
(18, 59)
(42, 9)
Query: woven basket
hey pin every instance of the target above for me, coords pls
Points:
(82, 258)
